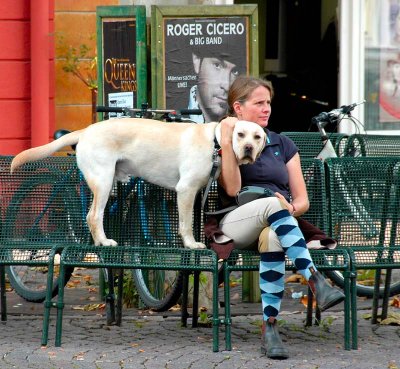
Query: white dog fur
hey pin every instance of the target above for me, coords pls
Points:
(176, 156)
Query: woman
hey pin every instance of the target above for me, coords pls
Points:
(268, 223)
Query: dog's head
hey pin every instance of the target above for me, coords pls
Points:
(248, 141)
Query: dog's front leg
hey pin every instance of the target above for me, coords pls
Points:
(185, 208)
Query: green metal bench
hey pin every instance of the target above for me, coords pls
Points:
(372, 145)
(146, 229)
(310, 143)
(364, 204)
(128, 257)
(43, 212)
(35, 224)
(325, 260)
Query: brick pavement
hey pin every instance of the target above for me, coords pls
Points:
(157, 341)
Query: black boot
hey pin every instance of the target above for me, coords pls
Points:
(271, 343)
(326, 295)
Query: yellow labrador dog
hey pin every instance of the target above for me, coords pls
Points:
(176, 156)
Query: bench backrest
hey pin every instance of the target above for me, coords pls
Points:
(45, 201)
(364, 202)
(372, 145)
(48, 200)
(310, 143)
(146, 215)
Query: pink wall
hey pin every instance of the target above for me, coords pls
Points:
(15, 76)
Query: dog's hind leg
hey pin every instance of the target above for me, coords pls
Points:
(101, 192)
(185, 198)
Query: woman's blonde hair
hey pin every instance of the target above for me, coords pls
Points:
(241, 89)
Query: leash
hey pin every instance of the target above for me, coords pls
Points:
(216, 159)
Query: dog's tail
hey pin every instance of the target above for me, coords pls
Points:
(41, 152)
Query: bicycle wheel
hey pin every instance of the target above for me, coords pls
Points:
(365, 282)
(42, 209)
(158, 289)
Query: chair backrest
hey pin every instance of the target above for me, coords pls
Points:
(363, 200)
(45, 201)
(310, 143)
(372, 145)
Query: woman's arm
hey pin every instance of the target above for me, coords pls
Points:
(300, 203)
(229, 178)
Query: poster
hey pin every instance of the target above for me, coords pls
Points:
(382, 66)
(202, 57)
(120, 100)
(119, 57)
(389, 88)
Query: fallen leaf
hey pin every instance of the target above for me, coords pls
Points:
(293, 278)
(79, 356)
(176, 307)
(77, 307)
(395, 302)
(392, 319)
(92, 307)
(72, 283)
(304, 301)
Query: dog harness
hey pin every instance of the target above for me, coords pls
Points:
(216, 163)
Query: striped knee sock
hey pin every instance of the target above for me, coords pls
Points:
(292, 241)
(272, 282)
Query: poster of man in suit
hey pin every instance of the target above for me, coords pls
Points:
(203, 56)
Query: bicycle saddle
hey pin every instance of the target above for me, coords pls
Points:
(60, 132)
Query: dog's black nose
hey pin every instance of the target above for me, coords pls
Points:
(248, 149)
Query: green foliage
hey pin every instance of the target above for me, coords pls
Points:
(130, 294)
(77, 60)
(326, 323)
(366, 277)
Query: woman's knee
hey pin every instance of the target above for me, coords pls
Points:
(271, 205)
(268, 241)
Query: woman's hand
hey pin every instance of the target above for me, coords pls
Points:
(227, 127)
(288, 205)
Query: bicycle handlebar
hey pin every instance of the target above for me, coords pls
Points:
(111, 109)
(335, 113)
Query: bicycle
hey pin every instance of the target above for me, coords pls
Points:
(353, 200)
(30, 283)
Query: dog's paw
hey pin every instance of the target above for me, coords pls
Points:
(195, 245)
(106, 242)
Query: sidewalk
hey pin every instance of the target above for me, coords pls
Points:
(147, 340)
